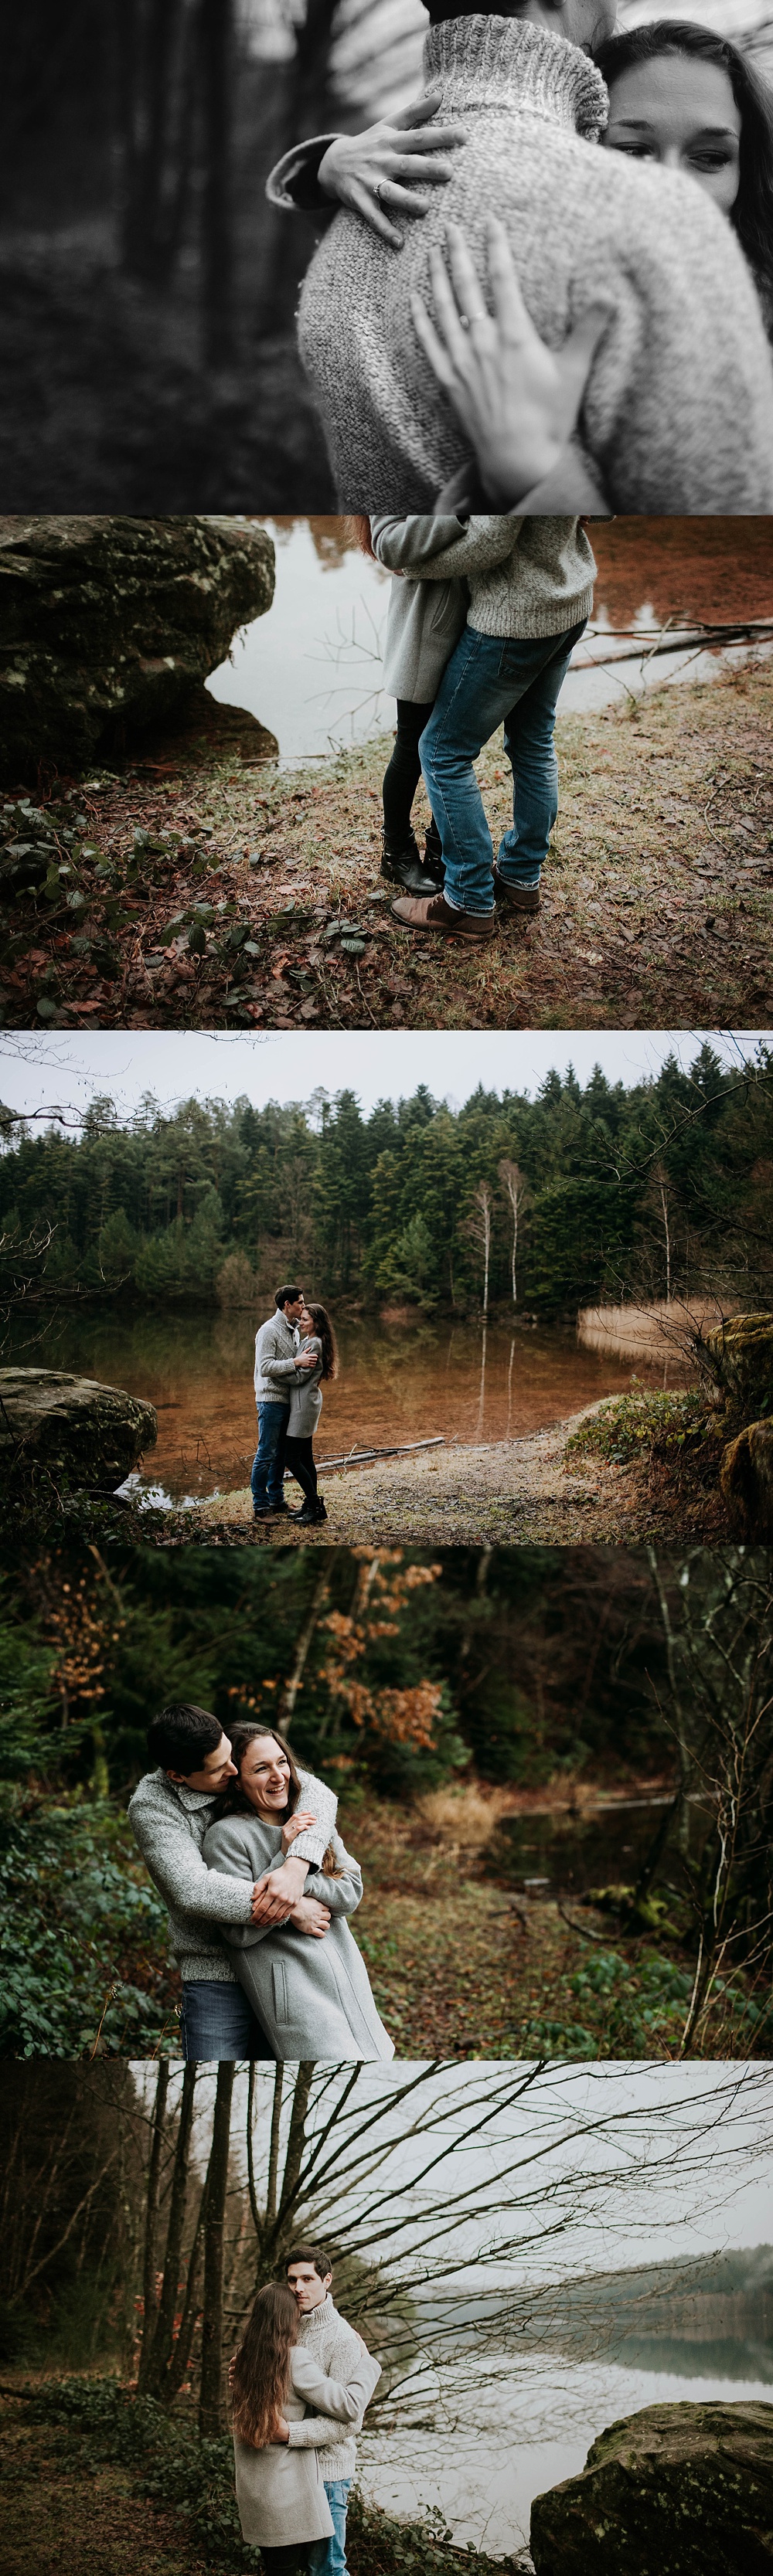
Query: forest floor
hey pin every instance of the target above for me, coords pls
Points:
(54, 2513)
(261, 905)
(502, 1492)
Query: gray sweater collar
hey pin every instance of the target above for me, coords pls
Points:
(510, 63)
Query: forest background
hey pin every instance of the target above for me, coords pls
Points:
(443, 1698)
(662, 1189)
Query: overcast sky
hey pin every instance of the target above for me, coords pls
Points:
(68, 1070)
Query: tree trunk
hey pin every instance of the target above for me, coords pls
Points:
(217, 36)
(311, 1623)
(212, 2397)
(160, 2354)
(151, 2225)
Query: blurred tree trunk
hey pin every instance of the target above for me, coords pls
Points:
(217, 53)
(157, 73)
(158, 2343)
(151, 2226)
(212, 2395)
(309, 109)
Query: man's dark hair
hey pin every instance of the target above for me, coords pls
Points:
(311, 2254)
(286, 1297)
(181, 1737)
(440, 10)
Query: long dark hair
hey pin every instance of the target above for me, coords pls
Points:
(233, 1801)
(325, 1334)
(262, 2372)
(752, 214)
(358, 528)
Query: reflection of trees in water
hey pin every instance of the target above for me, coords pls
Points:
(332, 539)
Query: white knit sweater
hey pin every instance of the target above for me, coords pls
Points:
(678, 411)
(338, 2351)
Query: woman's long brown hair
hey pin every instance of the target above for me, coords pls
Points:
(261, 2377)
(233, 1801)
(358, 527)
(325, 1334)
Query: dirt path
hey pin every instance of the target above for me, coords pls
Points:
(500, 1491)
(656, 909)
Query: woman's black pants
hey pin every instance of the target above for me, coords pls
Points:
(299, 1457)
(404, 772)
(283, 2562)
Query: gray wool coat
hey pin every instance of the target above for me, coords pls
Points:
(312, 1998)
(306, 1396)
(678, 411)
(280, 2491)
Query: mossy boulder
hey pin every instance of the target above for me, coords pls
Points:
(746, 1478)
(110, 625)
(738, 1356)
(81, 1434)
(683, 2490)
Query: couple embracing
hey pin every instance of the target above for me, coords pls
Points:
(242, 1844)
(295, 1353)
(300, 2383)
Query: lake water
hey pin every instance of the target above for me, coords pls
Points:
(532, 2428)
(311, 669)
(554, 1852)
(399, 1381)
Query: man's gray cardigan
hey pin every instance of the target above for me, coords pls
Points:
(678, 411)
(275, 1346)
(338, 2351)
(170, 1824)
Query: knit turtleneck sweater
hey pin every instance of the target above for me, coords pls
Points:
(678, 411)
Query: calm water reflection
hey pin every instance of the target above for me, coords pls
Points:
(311, 668)
(534, 2430)
(398, 1382)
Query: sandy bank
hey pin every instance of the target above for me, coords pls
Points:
(502, 1492)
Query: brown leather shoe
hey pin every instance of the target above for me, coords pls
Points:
(514, 898)
(431, 912)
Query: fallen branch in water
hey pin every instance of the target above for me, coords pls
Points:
(359, 1457)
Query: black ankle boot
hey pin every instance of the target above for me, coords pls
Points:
(404, 868)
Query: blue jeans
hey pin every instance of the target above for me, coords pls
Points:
(491, 678)
(328, 2557)
(268, 1465)
(217, 2021)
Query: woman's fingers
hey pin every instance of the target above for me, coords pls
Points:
(431, 345)
(450, 315)
(510, 311)
(466, 282)
(363, 203)
(411, 120)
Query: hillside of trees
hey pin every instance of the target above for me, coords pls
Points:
(576, 1195)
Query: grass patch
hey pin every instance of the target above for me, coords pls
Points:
(626, 1426)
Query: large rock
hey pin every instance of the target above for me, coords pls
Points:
(78, 1430)
(108, 626)
(674, 2491)
(739, 1358)
(746, 1478)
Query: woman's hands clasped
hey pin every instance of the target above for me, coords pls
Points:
(385, 167)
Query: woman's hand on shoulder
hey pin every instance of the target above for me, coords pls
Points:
(517, 401)
(300, 1823)
(384, 167)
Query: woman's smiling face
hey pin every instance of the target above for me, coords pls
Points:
(264, 1776)
(682, 113)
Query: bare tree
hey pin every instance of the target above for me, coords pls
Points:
(212, 2391)
(517, 1192)
(477, 1225)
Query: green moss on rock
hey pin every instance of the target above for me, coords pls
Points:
(79, 1432)
(684, 2490)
